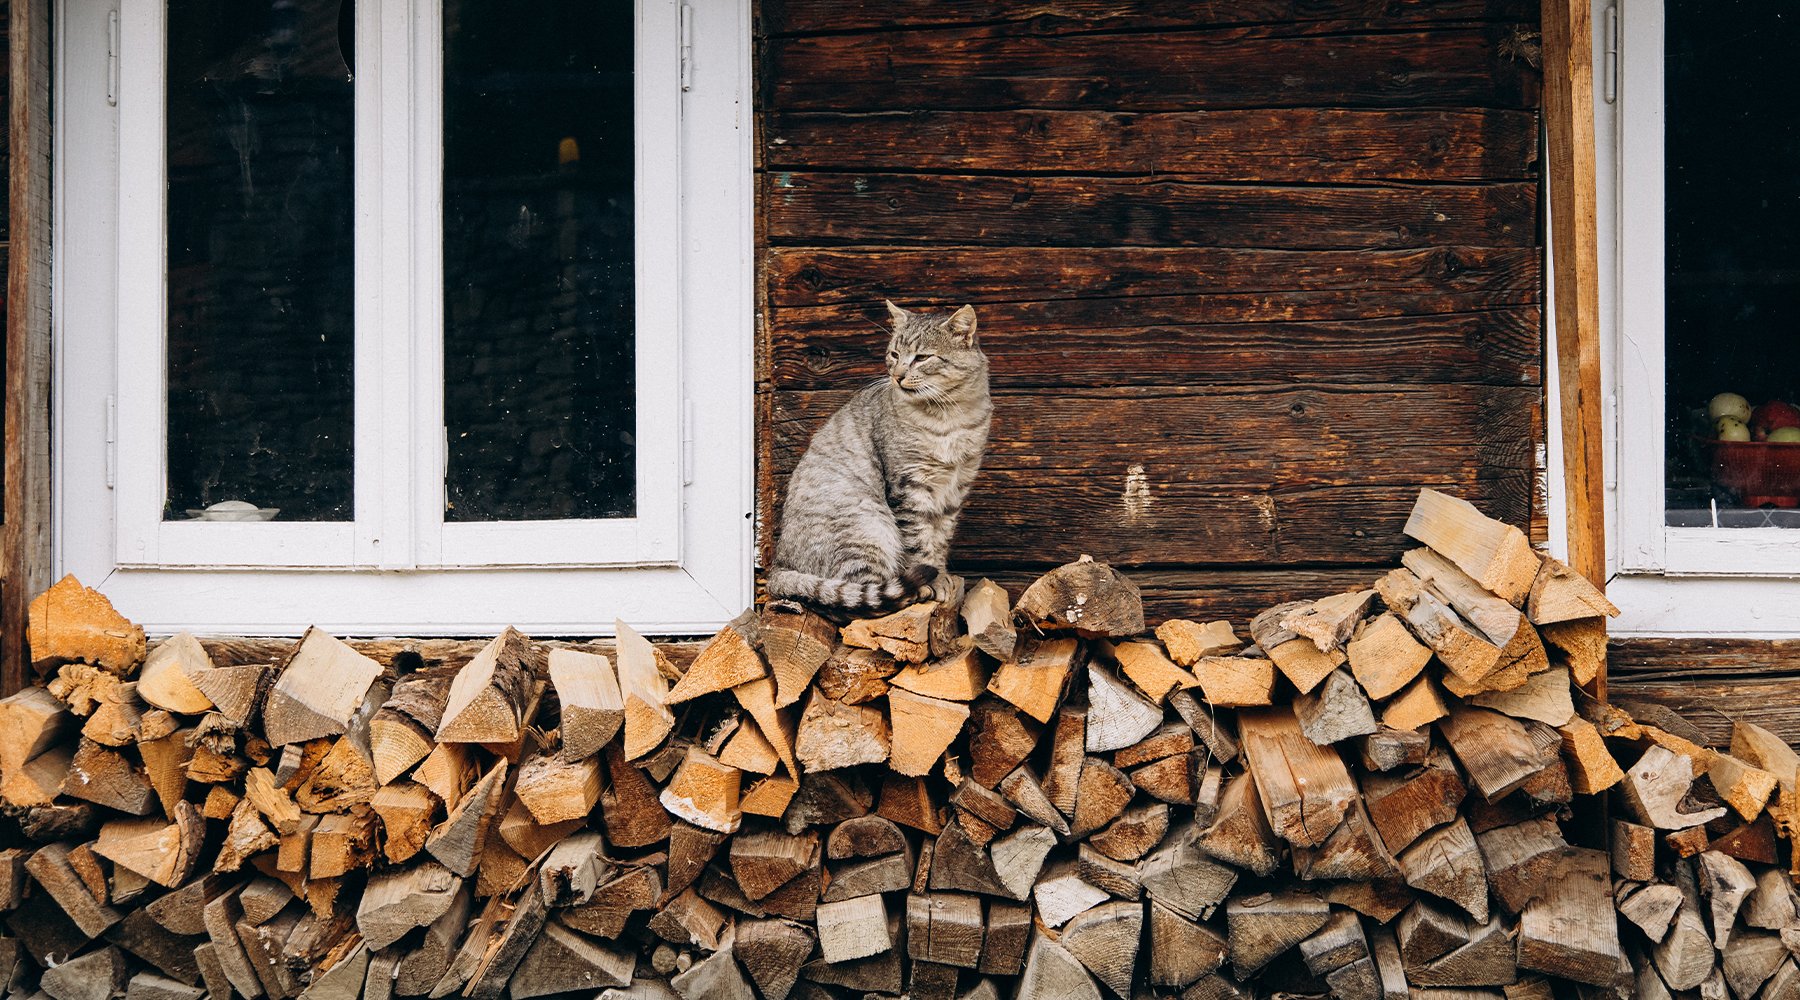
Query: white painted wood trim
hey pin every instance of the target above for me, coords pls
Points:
(1642, 546)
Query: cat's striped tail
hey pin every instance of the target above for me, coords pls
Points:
(851, 595)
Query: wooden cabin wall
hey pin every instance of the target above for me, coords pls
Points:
(1249, 274)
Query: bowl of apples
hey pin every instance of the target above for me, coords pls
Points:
(1756, 451)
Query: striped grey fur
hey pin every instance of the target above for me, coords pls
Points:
(872, 505)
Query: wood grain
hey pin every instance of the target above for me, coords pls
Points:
(1569, 117)
(1051, 348)
(1228, 67)
(981, 210)
(780, 17)
(1259, 283)
(1293, 145)
(26, 499)
(1224, 473)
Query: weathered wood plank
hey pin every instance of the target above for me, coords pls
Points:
(1713, 704)
(979, 210)
(1028, 279)
(1219, 490)
(1293, 145)
(1495, 347)
(1233, 67)
(777, 17)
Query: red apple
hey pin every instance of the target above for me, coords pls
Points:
(1771, 416)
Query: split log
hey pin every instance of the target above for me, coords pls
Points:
(1330, 621)
(1105, 941)
(645, 688)
(1655, 786)
(70, 623)
(1181, 951)
(1033, 682)
(961, 677)
(490, 695)
(795, 642)
(834, 735)
(1726, 883)
(728, 660)
(1050, 971)
(1559, 594)
(904, 635)
(1570, 931)
(1494, 749)
(1305, 789)
(1240, 833)
(1264, 926)
(1495, 554)
(1496, 619)
(771, 952)
(856, 676)
(1448, 864)
(1300, 660)
(319, 688)
(166, 854)
(166, 680)
(1117, 716)
(593, 710)
(1092, 599)
(998, 739)
(556, 789)
(1146, 666)
(1181, 876)
(1522, 860)
(1384, 657)
(923, 728)
(1417, 705)
(572, 870)
(853, 928)
(944, 928)
(987, 618)
(704, 792)
(1101, 793)
(1334, 711)
(108, 778)
(1188, 642)
(1236, 681)
(458, 841)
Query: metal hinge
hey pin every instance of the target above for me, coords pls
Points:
(687, 48)
(687, 442)
(112, 59)
(1609, 56)
(112, 440)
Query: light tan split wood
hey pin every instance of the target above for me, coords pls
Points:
(490, 695)
(320, 688)
(1034, 682)
(70, 623)
(645, 690)
(923, 728)
(704, 792)
(1188, 641)
(167, 679)
(1384, 656)
(1496, 555)
(592, 708)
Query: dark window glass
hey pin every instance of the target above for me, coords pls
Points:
(260, 256)
(538, 260)
(1732, 148)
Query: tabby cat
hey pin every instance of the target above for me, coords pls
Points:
(872, 505)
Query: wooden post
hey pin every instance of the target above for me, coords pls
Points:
(1569, 124)
(25, 507)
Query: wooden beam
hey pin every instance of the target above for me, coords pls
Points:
(25, 501)
(1569, 124)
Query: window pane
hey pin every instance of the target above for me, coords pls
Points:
(538, 260)
(1733, 266)
(260, 258)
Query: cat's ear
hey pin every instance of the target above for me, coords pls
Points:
(897, 314)
(961, 324)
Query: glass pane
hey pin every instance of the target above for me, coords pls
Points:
(1733, 268)
(260, 339)
(538, 273)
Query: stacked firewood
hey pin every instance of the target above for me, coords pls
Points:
(1398, 792)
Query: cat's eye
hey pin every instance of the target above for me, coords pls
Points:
(922, 358)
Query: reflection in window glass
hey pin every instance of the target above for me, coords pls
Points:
(260, 257)
(1732, 149)
(538, 261)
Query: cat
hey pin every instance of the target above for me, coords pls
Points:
(872, 505)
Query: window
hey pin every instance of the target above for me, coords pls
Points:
(1696, 141)
(373, 314)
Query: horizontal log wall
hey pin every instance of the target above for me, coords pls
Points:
(1712, 682)
(1250, 274)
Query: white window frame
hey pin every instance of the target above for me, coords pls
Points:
(683, 564)
(1669, 581)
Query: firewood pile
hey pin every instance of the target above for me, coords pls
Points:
(1399, 792)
